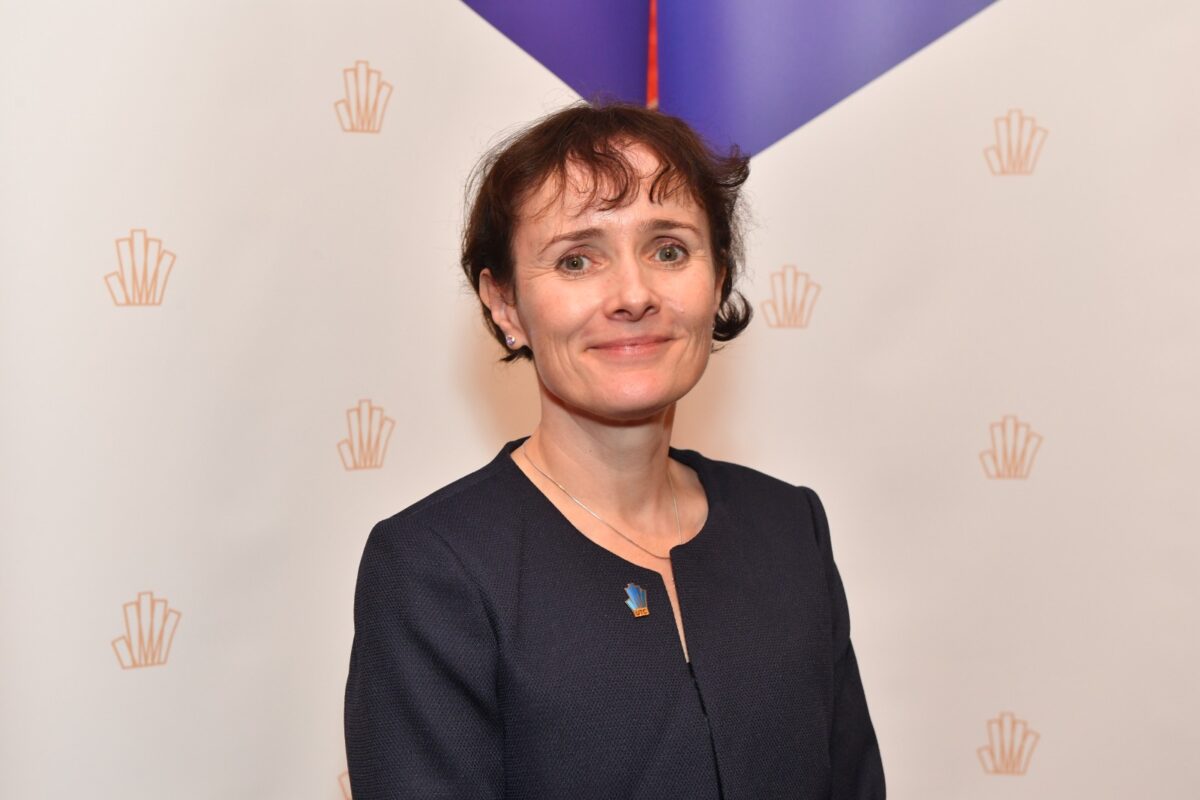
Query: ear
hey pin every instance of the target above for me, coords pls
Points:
(501, 302)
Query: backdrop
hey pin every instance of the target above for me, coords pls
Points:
(233, 336)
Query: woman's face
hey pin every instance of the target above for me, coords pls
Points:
(617, 306)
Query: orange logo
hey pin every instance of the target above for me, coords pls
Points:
(143, 267)
(149, 630)
(792, 299)
(369, 434)
(1014, 446)
(1010, 746)
(344, 782)
(361, 111)
(1018, 143)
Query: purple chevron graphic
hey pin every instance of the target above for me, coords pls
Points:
(740, 71)
(594, 46)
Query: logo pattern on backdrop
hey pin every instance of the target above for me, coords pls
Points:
(793, 295)
(1014, 446)
(1010, 745)
(143, 267)
(367, 95)
(367, 443)
(1019, 142)
(149, 631)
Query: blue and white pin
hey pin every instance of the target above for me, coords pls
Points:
(637, 600)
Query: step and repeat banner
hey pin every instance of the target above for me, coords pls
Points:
(234, 335)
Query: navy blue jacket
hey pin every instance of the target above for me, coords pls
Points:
(495, 655)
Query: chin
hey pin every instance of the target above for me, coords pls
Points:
(628, 396)
(630, 406)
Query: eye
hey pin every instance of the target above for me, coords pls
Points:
(575, 263)
(676, 252)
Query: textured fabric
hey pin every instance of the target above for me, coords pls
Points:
(494, 654)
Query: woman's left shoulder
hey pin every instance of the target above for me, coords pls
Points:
(741, 480)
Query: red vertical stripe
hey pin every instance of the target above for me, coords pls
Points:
(652, 60)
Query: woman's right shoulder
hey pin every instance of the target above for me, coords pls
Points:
(470, 516)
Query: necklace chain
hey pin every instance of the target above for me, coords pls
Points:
(678, 528)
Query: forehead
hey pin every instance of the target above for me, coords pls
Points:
(582, 191)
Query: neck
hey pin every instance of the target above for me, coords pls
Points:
(618, 468)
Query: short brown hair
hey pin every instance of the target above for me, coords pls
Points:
(591, 135)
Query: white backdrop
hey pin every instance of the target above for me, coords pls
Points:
(191, 448)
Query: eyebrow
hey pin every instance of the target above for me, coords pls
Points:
(591, 233)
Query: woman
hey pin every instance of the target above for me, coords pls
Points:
(521, 632)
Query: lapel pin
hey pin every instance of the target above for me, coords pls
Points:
(637, 600)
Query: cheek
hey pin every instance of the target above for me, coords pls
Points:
(555, 315)
(696, 307)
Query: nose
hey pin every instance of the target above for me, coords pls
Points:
(632, 293)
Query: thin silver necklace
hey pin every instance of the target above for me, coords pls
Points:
(678, 528)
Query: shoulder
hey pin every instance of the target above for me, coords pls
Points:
(742, 482)
(469, 495)
(756, 494)
(460, 522)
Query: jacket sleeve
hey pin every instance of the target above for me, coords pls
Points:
(857, 768)
(421, 713)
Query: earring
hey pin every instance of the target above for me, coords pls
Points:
(510, 340)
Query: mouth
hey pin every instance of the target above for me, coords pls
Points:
(640, 345)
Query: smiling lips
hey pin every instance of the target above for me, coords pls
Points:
(632, 346)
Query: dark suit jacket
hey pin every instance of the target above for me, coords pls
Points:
(495, 654)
